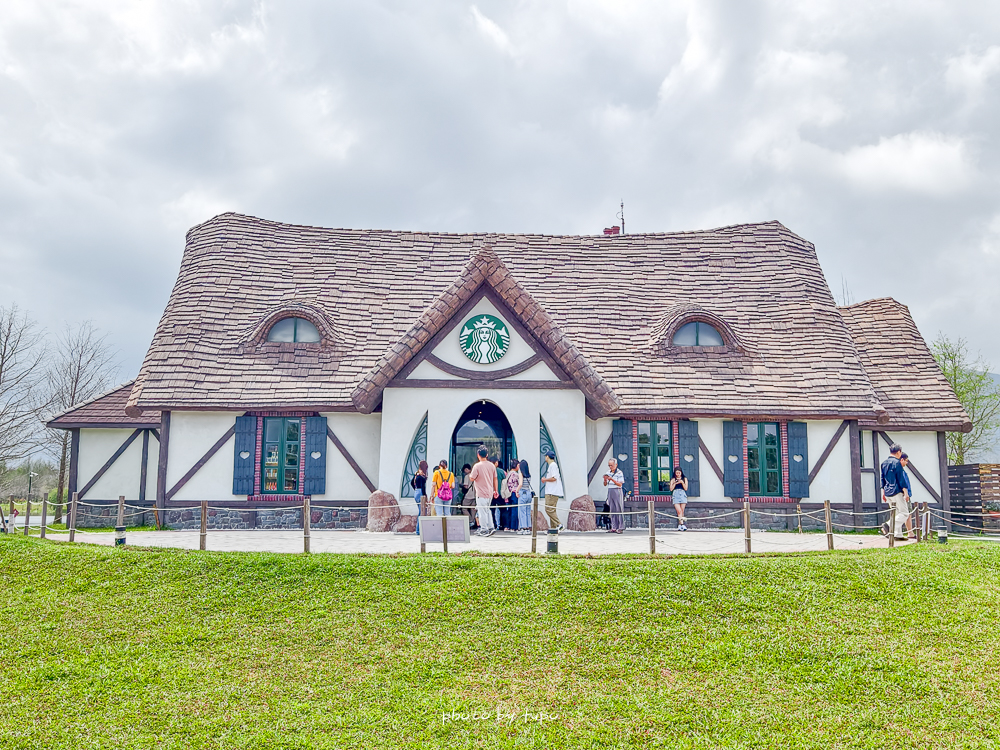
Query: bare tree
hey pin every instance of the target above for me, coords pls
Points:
(23, 395)
(846, 297)
(978, 392)
(82, 366)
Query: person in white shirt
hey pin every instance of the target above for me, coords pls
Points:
(613, 480)
(552, 484)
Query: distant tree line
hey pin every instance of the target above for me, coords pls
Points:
(40, 375)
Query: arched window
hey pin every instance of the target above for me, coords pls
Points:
(294, 330)
(697, 333)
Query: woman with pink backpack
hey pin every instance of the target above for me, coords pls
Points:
(443, 483)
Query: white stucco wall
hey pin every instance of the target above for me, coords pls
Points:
(122, 477)
(833, 482)
(562, 410)
(712, 490)
(598, 431)
(191, 435)
(361, 435)
(922, 449)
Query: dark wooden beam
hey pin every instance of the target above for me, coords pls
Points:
(350, 459)
(878, 469)
(161, 465)
(711, 461)
(142, 469)
(201, 462)
(525, 385)
(74, 461)
(916, 472)
(856, 497)
(600, 455)
(485, 375)
(156, 434)
(108, 464)
(829, 449)
(943, 468)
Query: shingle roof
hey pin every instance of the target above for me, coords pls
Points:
(615, 299)
(908, 381)
(105, 410)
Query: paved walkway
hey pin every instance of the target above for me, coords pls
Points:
(574, 543)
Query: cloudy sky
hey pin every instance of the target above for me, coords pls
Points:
(869, 128)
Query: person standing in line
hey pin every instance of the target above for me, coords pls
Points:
(468, 497)
(553, 486)
(444, 487)
(484, 484)
(678, 490)
(500, 501)
(905, 461)
(419, 485)
(524, 494)
(514, 482)
(613, 480)
(894, 491)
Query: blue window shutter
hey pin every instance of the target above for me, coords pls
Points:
(244, 455)
(315, 458)
(798, 460)
(621, 445)
(732, 458)
(688, 445)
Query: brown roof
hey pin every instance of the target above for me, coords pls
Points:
(607, 303)
(106, 410)
(907, 380)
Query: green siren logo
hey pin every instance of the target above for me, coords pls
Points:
(484, 339)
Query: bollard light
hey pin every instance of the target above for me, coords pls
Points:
(552, 547)
(943, 535)
(119, 536)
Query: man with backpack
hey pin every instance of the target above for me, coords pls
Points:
(894, 492)
(443, 483)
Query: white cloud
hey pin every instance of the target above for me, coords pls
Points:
(970, 72)
(921, 162)
(492, 31)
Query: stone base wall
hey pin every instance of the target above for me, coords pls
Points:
(104, 516)
(782, 518)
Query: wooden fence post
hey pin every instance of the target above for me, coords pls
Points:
(203, 536)
(27, 514)
(917, 522)
(746, 527)
(120, 522)
(444, 533)
(829, 524)
(72, 516)
(652, 528)
(45, 514)
(798, 512)
(306, 524)
(534, 523)
(892, 526)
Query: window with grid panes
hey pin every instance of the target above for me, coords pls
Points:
(280, 461)
(656, 457)
(764, 459)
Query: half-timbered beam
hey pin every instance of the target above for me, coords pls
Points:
(201, 462)
(600, 455)
(829, 449)
(350, 459)
(916, 472)
(711, 461)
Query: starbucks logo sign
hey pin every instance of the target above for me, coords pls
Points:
(484, 339)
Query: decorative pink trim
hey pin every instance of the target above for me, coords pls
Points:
(260, 454)
(746, 468)
(276, 498)
(783, 428)
(635, 457)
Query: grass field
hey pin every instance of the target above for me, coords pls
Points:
(105, 648)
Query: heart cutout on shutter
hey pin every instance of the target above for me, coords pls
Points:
(797, 458)
(244, 454)
(733, 459)
(622, 457)
(688, 458)
(316, 454)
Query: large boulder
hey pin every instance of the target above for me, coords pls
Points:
(541, 522)
(405, 525)
(581, 514)
(383, 511)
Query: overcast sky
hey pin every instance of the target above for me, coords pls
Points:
(869, 128)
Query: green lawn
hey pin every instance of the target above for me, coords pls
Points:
(105, 648)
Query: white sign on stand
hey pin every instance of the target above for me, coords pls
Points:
(432, 530)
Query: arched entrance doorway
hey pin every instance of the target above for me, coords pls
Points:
(483, 423)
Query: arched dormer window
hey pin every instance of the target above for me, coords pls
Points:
(294, 330)
(697, 333)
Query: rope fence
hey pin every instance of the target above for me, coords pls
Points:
(918, 521)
